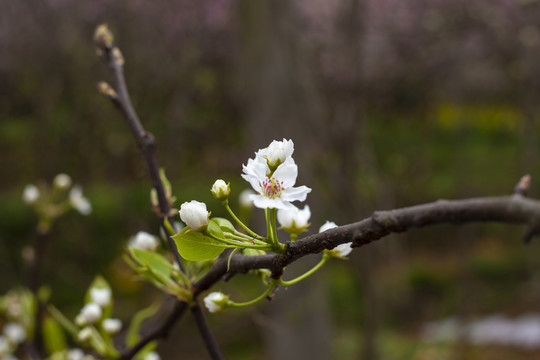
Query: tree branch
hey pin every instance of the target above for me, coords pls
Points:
(206, 333)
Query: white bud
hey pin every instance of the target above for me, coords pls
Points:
(342, 250)
(91, 313)
(112, 326)
(62, 181)
(194, 214)
(221, 190)
(152, 356)
(85, 334)
(101, 296)
(294, 220)
(79, 202)
(327, 226)
(245, 198)
(30, 194)
(277, 152)
(144, 241)
(15, 332)
(75, 354)
(216, 301)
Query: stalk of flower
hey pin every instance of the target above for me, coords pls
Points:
(217, 301)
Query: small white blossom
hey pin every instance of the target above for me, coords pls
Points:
(91, 313)
(244, 198)
(327, 226)
(294, 220)
(275, 191)
(216, 301)
(152, 355)
(79, 202)
(144, 241)
(112, 326)
(62, 181)
(101, 296)
(194, 215)
(221, 190)
(276, 153)
(85, 334)
(75, 354)
(31, 194)
(15, 332)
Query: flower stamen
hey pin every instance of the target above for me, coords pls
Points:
(272, 188)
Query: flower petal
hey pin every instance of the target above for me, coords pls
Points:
(295, 193)
(286, 173)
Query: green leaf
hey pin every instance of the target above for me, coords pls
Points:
(195, 246)
(214, 229)
(53, 335)
(153, 261)
(224, 224)
(132, 336)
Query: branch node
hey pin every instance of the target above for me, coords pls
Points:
(107, 90)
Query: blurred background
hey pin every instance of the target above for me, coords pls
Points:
(390, 103)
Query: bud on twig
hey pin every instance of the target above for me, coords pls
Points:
(103, 37)
(523, 186)
(106, 89)
(117, 57)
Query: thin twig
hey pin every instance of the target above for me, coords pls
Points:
(206, 333)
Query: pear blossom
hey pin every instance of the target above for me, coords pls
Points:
(15, 332)
(85, 334)
(194, 214)
(112, 326)
(90, 314)
(340, 251)
(144, 241)
(276, 153)
(216, 301)
(101, 296)
(62, 181)
(31, 194)
(275, 191)
(152, 355)
(221, 190)
(327, 226)
(294, 220)
(79, 202)
(75, 354)
(244, 198)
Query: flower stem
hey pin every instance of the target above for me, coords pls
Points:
(257, 299)
(248, 230)
(305, 275)
(238, 244)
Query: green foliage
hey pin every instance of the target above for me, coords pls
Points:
(53, 335)
(195, 246)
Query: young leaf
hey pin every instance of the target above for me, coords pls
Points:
(152, 260)
(132, 336)
(53, 335)
(224, 224)
(194, 246)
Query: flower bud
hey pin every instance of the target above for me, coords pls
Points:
(103, 37)
(90, 314)
(144, 241)
(341, 251)
(327, 226)
(79, 202)
(85, 334)
(216, 302)
(106, 90)
(62, 181)
(75, 354)
(15, 332)
(112, 326)
(221, 190)
(30, 194)
(294, 220)
(152, 355)
(101, 296)
(194, 215)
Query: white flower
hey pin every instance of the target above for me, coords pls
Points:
(275, 191)
(276, 153)
(101, 296)
(79, 202)
(144, 241)
(152, 355)
(112, 326)
(294, 220)
(75, 354)
(194, 214)
(90, 313)
(327, 226)
(221, 190)
(62, 181)
(244, 198)
(30, 194)
(85, 334)
(216, 301)
(15, 332)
